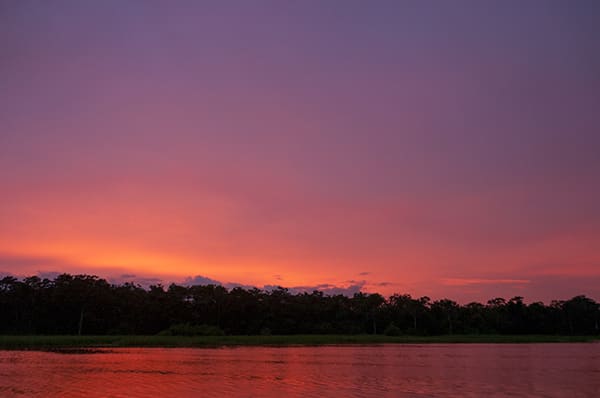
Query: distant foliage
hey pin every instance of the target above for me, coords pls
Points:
(85, 304)
(185, 329)
(265, 332)
(392, 330)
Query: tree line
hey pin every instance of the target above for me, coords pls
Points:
(86, 304)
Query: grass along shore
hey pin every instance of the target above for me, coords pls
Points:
(58, 342)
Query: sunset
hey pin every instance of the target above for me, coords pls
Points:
(396, 147)
(440, 150)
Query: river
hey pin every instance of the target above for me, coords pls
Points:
(432, 370)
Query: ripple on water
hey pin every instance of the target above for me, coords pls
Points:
(549, 370)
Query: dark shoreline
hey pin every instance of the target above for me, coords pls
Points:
(73, 342)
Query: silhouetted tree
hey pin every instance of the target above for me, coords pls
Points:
(86, 304)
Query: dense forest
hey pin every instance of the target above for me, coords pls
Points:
(84, 304)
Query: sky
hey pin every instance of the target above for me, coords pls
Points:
(447, 149)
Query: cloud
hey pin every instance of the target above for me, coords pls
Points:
(49, 274)
(346, 291)
(200, 280)
(327, 288)
(205, 280)
(364, 273)
(144, 282)
(120, 276)
(348, 288)
(233, 285)
(478, 281)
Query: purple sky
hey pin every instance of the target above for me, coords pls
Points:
(440, 148)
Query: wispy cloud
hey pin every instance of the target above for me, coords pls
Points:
(25, 262)
(479, 281)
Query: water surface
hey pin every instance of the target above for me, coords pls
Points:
(432, 370)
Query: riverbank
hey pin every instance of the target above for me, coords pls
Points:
(56, 342)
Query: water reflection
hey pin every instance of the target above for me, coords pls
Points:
(524, 370)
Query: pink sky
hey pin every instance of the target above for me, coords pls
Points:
(447, 151)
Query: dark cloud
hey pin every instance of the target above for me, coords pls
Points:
(49, 274)
(327, 288)
(364, 273)
(205, 280)
(233, 285)
(200, 280)
(5, 273)
(144, 282)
